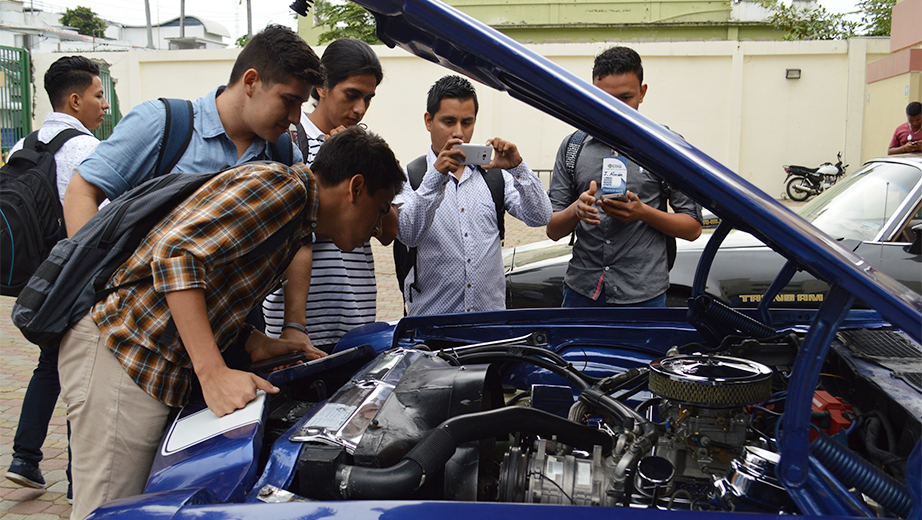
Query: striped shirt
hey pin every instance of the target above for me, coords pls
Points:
(202, 244)
(343, 294)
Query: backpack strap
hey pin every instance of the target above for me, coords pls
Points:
(574, 147)
(405, 257)
(63, 136)
(671, 247)
(497, 184)
(416, 170)
(282, 150)
(177, 133)
(31, 146)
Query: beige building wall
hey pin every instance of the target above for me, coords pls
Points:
(886, 102)
(730, 99)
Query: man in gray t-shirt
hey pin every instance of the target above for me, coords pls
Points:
(620, 253)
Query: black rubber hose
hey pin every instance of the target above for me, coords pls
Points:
(569, 373)
(731, 317)
(528, 349)
(429, 456)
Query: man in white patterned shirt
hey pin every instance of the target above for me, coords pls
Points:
(79, 103)
(452, 219)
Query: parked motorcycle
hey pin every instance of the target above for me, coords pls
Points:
(803, 182)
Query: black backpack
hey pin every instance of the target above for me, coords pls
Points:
(404, 257)
(32, 217)
(74, 277)
(574, 147)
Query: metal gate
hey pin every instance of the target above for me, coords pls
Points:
(15, 97)
(113, 115)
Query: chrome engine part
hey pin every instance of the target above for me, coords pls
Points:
(704, 399)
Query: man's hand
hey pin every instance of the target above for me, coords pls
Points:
(585, 206)
(448, 160)
(336, 130)
(226, 390)
(506, 155)
(260, 347)
(629, 211)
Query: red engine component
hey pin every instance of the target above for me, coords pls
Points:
(825, 402)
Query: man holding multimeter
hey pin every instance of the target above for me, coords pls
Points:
(451, 211)
(616, 208)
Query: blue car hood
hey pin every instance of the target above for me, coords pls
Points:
(441, 34)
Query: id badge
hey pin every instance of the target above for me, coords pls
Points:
(614, 178)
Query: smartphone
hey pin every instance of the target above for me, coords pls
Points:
(616, 196)
(478, 154)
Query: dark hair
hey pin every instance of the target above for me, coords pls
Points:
(348, 57)
(913, 109)
(68, 75)
(278, 54)
(452, 87)
(617, 60)
(356, 150)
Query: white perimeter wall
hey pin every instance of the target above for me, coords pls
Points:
(730, 99)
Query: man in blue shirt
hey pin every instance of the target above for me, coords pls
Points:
(270, 80)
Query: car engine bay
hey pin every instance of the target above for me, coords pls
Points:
(695, 429)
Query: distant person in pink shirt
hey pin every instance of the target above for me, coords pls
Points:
(908, 136)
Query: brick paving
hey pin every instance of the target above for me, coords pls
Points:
(18, 358)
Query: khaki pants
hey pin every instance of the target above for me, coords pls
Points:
(116, 426)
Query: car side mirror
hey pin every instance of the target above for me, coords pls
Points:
(916, 247)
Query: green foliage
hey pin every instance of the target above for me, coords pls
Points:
(242, 41)
(876, 15)
(805, 23)
(344, 20)
(85, 21)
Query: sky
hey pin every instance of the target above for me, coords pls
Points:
(232, 13)
(229, 13)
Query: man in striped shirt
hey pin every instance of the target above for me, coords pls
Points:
(132, 358)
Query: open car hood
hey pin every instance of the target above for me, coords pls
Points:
(441, 34)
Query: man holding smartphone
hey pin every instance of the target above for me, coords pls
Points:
(622, 231)
(907, 138)
(452, 219)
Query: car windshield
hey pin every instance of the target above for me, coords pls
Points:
(859, 206)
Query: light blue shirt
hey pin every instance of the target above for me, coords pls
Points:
(452, 223)
(128, 157)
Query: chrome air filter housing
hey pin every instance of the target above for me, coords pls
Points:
(710, 381)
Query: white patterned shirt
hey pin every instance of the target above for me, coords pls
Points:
(452, 223)
(343, 294)
(72, 153)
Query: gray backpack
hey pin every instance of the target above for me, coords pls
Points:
(75, 275)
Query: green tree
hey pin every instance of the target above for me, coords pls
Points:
(85, 21)
(876, 16)
(243, 41)
(806, 23)
(344, 20)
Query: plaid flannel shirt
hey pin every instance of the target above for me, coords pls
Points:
(202, 245)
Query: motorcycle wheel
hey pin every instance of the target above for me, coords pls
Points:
(795, 194)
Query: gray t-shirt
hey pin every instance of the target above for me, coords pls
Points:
(622, 262)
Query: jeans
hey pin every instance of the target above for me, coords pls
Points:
(37, 408)
(572, 298)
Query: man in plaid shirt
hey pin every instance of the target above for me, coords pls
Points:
(132, 358)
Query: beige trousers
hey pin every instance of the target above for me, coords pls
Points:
(116, 427)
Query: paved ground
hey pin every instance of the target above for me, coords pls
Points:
(18, 358)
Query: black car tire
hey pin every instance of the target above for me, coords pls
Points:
(795, 194)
